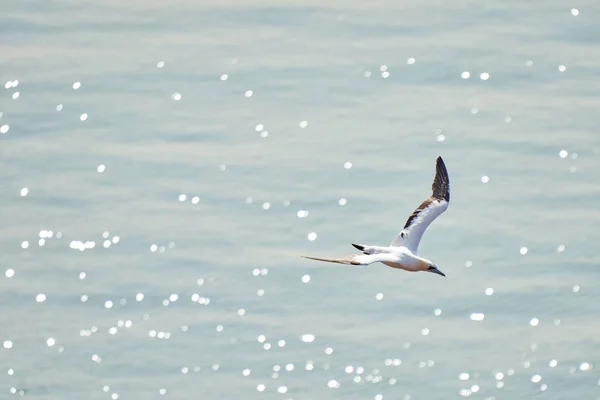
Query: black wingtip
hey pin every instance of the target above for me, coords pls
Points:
(359, 246)
(441, 183)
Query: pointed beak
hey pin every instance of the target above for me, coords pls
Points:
(436, 271)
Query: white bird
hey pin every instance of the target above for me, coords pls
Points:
(402, 252)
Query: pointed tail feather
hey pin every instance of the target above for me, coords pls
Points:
(359, 246)
(351, 259)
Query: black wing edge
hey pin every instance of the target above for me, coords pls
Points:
(441, 182)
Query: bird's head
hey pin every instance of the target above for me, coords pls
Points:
(430, 266)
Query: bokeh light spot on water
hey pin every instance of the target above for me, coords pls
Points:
(437, 312)
(562, 68)
(139, 297)
(59, 107)
(575, 288)
(15, 95)
(477, 317)
(347, 165)
(425, 331)
(333, 384)
(259, 127)
(523, 250)
(101, 168)
(489, 291)
(24, 244)
(76, 85)
(574, 12)
(176, 96)
(342, 202)
(312, 236)
(383, 68)
(241, 312)
(260, 292)
(162, 391)
(108, 304)
(463, 376)
(160, 64)
(40, 298)
(499, 376)
(385, 74)
(8, 344)
(24, 192)
(302, 213)
(328, 351)
(474, 110)
(266, 205)
(536, 378)
(305, 278)
(563, 153)
(585, 366)
(411, 60)
(303, 124)
(9, 273)
(465, 75)
(379, 296)
(534, 322)
(224, 77)
(83, 117)
(367, 74)
(560, 248)
(484, 76)
(485, 179)
(553, 363)
(4, 128)
(468, 263)
(260, 387)
(307, 338)
(282, 389)
(248, 93)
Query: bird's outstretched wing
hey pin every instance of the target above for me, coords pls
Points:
(430, 209)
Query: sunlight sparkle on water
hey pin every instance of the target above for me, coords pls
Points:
(4, 128)
(307, 338)
(306, 278)
(534, 322)
(563, 153)
(9, 273)
(465, 75)
(574, 12)
(248, 93)
(83, 117)
(303, 124)
(523, 250)
(477, 316)
(312, 236)
(333, 384)
(485, 179)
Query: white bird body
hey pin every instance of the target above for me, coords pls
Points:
(402, 253)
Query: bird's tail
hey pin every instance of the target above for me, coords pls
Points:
(351, 259)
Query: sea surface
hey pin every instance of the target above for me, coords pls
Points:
(164, 164)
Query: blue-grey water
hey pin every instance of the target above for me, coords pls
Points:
(164, 164)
